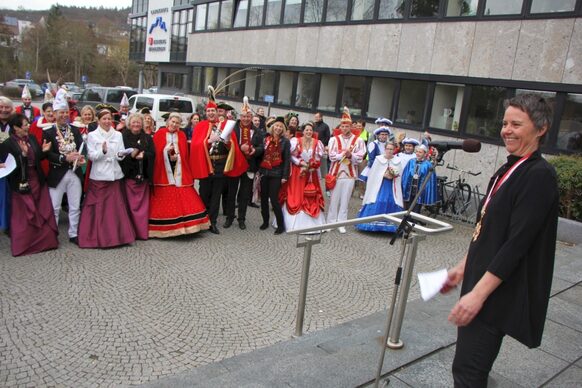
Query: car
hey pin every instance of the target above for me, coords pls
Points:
(50, 86)
(76, 96)
(160, 104)
(35, 90)
(103, 95)
(72, 87)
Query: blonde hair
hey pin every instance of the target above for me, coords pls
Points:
(176, 115)
(90, 109)
(135, 115)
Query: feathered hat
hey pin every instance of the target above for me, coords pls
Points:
(346, 117)
(26, 92)
(246, 107)
(60, 101)
(211, 98)
(124, 101)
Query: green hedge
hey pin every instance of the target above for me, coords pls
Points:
(569, 169)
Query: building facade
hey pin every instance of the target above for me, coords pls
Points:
(439, 65)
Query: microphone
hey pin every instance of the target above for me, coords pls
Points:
(467, 145)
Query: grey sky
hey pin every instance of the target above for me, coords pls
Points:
(43, 4)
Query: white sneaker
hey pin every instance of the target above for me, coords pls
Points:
(341, 229)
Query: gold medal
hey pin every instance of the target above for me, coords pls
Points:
(477, 230)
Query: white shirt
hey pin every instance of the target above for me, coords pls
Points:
(106, 166)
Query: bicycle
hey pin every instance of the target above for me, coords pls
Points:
(459, 198)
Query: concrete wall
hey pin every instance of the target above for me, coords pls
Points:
(534, 50)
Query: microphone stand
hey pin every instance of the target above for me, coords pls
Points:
(405, 228)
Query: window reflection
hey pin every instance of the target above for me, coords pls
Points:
(336, 10)
(267, 84)
(273, 12)
(462, 7)
(285, 88)
(424, 8)
(363, 9)
(546, 6)
(570, 133)
(391, 9)
(503, 7)
(197, 80)
(240, 19)
(446, 106)
(411, 102)
(200, 24)
(313, 11)
(328, 92)
(305, 90)
(292, 11)
(213, 16)
(226, 14)
(381, 97)
(256, 13)
(353, 94)
(251, 83)
(486, 111)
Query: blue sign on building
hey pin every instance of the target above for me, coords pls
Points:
(27, 75)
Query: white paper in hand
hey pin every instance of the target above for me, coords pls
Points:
(431, 283)
(10, 165)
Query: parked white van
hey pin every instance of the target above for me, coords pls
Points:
(160, 104)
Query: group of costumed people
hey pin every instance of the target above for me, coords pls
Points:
(124, 180)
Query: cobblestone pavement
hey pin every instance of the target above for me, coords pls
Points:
(74, 317)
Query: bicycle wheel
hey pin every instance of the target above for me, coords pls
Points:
(462, 198)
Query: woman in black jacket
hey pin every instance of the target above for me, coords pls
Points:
(33, 227)
(274, 169)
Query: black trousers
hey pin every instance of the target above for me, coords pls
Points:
(210, 191)
(270, 187)
(477, 348)
(245, 192)
(228, 202)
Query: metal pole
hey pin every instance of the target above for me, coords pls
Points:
(394, 341)
(303, 286)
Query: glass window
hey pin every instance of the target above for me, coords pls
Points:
(251, 83)
(363, 9)
(381, 96)
(235, 83)
(328, 92)
(256, 13)
(424, 8)
(546, 6)
(446, 106)
(197, 80)
(353, 94)
(313, 11)
(570, 134)
(273, 12)
(267, 84)
(336, 10)
(305, 90)
(462, 7)
(226, 14)
(221, 75)
(503, 7)
(411, 102)
(292, 11)
(209, 77)
(213, 16)
(486, 111)
(391, 9)
(285, 88)
(240, 19)
(200, 24)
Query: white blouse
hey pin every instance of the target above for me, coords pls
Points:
(105, 167)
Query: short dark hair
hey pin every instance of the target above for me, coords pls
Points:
(537, 108)
(16, 120)
(47, 105)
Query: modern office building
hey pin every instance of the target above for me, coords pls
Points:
(441, 65)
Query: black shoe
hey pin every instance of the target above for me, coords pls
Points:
(242, 225)
(227, 223)
(264, 226)
(74, 240)
(214, 230)
(252, 204)
(279, 230)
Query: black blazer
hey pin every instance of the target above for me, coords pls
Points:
(10, 146)
(58, 166)
(256, 141)
(129, 165)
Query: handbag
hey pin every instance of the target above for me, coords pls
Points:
(310, 190)
(330, 181)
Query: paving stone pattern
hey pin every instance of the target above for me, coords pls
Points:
(130, 315)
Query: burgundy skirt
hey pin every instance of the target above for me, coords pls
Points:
(33, 227)
(104, 219)
(138, 205)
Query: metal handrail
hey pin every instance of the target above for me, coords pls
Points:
(442, 226)
(315, 238)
